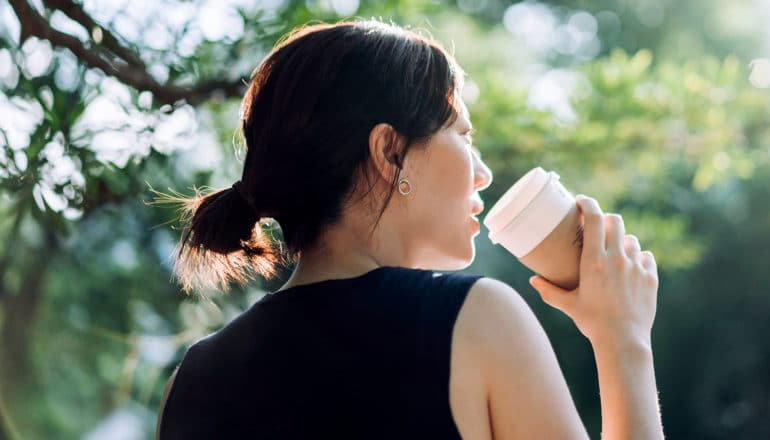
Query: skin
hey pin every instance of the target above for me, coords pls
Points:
(429, 228)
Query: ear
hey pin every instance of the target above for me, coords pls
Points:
(385, 149)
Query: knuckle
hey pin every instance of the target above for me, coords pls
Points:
(651, 277)
(593, 215)
(591, 221)
(597, 265)
(633, 240)
(588, 203)
(648, 254)
(582, 198)
(618, 261)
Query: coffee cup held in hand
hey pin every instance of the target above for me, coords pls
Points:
(538, 221)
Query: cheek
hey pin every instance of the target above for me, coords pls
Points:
(445, 197)
(442, 182)
(457, 172)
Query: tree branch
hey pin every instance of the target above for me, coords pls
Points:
(77, 13)
(33, 24)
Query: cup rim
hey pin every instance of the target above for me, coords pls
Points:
(536, 220)
(497, 219)
(550, 176)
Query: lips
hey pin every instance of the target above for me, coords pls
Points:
(478, 207)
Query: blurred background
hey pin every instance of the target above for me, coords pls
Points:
(660, 109)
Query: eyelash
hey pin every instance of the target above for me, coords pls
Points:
(469, 137)
(469, 134)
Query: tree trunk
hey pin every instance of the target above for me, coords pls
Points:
(19, 315)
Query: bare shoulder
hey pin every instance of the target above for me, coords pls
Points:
(491, 306)
(498, 320)
(163, 400)
(525, 389)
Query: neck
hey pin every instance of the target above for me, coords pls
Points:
(345, 251)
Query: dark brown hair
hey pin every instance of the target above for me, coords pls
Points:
(306, 120)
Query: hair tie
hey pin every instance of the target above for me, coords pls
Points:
(238, 187)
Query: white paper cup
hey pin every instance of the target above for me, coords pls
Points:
(528, 212)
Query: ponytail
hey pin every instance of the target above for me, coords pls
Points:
(223, 240)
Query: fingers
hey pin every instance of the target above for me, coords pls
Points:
(648, 261)
(632, 247)
(651, 268)
(593, 226)
(616, 230)
(552, 294)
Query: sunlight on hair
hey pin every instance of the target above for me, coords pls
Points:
(202, 270)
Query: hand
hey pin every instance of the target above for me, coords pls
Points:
(617, 295)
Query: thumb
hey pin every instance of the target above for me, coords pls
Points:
(552, 294)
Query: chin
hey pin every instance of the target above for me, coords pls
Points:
(460, 265)
(457, 260)
(449, 253)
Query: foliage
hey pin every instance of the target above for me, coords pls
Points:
(91, 324)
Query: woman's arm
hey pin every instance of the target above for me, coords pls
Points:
(628, 391)
(527, 394)
(614, 307)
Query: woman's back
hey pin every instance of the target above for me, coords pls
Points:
(363, 357)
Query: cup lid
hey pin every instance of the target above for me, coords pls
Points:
(516, 199)
(538, 218)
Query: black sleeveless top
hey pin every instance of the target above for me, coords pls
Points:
(365, 358)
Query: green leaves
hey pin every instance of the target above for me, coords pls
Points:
(641, 127)
(672, 137)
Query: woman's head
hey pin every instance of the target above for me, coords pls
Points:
(324, 99)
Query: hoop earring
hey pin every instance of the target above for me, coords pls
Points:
(404, 181)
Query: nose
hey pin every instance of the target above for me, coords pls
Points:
(482, 175)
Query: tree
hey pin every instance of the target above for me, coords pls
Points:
(101, 106)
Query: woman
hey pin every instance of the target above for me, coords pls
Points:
(359, 146)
